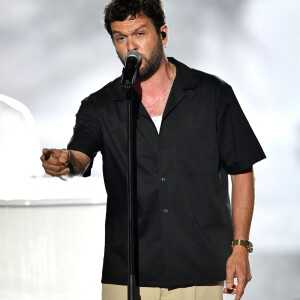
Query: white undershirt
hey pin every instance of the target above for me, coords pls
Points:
(157, 122)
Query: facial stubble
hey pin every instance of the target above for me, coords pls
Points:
(151, 64)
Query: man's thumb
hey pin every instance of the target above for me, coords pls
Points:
(229, 284)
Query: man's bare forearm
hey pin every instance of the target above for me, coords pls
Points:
(242, 203)
(242, 212)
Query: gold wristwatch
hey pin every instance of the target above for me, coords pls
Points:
(246, 244)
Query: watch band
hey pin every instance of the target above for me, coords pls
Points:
(247, 244)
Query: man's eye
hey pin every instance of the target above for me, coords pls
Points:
(120, 38)
(140, 33)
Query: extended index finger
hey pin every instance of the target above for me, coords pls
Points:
(46, 154)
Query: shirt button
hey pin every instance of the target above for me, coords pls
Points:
(165, 210)
(163, 179)
(156, 149)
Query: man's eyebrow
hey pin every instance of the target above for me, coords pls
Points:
(139, 28)
(135, 30)
(116, 32)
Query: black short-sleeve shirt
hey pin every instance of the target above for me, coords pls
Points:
(183, 208)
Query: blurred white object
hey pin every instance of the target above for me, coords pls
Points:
(19, 142)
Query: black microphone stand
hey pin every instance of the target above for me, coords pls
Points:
(132, 289)
(132, 58)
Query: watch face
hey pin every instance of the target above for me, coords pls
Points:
(250, 247)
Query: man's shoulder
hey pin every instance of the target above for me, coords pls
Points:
(208, 78)
(191, 77)
(111, 91)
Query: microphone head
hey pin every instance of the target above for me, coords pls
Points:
(133, 54)
(132, 60)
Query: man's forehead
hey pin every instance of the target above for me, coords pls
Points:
(131, 23)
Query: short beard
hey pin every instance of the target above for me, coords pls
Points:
(151, 64)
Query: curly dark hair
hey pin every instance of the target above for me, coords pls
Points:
(119, 10)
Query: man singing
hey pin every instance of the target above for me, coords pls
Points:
(190, 133)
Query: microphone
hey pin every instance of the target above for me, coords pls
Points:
(132, 60)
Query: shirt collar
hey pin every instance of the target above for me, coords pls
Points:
(186, 79)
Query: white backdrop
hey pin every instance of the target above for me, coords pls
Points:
(55, 53)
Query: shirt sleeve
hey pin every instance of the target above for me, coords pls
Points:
(238, 145)
(87, 132)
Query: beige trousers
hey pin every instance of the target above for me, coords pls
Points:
(211, 292)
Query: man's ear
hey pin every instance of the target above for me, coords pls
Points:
(164, 34)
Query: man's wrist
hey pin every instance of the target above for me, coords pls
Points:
(238, 249)
(240, 244)
(70, 163)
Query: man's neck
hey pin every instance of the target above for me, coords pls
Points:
(154, 86)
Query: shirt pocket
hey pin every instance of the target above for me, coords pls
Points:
(197, 152)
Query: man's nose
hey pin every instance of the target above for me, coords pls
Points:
(131, 44)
